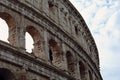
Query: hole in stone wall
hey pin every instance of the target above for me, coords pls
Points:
(35, 41)
(50, 55)
(55, 54)
(6, 74)
(3, 30)
(82, 70)
(29, 42)
(10, 31)
(70, 62)
(76, 30)
(51, 3)
(1, 77)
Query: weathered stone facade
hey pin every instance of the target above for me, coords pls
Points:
(64, 48)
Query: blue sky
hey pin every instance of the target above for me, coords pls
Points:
(103, 19)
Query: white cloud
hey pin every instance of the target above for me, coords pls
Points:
(103, 19)
(88, 14)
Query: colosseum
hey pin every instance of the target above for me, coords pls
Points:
(64, 48)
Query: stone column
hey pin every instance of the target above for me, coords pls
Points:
(64, 57)
(46, 46)
(20, 33)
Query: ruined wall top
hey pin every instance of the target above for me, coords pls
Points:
(57, 29)
(66, 17)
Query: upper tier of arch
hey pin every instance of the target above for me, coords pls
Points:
(63, 17)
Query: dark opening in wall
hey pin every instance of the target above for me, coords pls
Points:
(1, 77)
(70, 63)
(50, 55)
(51, 3)
(82, 70)
(76, 30)
(55, 54)
(6, 74)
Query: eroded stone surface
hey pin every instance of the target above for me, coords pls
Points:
(63, 46)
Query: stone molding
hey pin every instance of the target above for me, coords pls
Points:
(41, 19)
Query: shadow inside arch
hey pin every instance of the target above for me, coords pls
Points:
(8, 18)
(6, 74)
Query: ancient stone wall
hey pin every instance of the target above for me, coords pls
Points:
(63, 46)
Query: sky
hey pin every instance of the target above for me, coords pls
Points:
(103, 20)
(4, 30)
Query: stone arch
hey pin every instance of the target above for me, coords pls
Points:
(55, 54)
(76, 29)
(6, 74)
(70, 62)
(82, 70)
(37, 50)
(11, 27)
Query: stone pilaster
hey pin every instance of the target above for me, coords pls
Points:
(46, 46)
(20, 33)
(64, 57)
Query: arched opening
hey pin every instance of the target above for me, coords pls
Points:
(29, 42)
(9, 28)
(51, 3)
(82, 70)
(50, 55)
(35, 35)
(6, 74)
(3, 30)
(76, 30)
(55, 54)
(70, 63)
